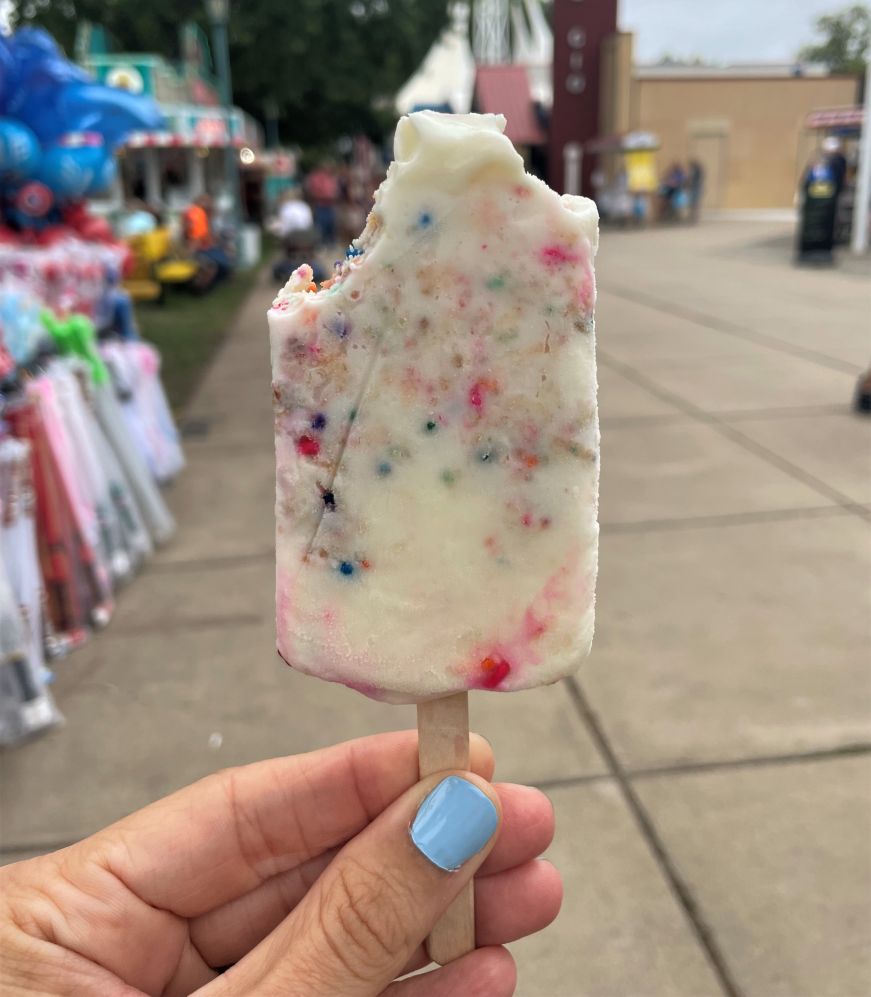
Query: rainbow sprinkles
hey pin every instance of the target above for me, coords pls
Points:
(436, 431)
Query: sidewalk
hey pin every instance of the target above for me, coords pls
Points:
(710, 767)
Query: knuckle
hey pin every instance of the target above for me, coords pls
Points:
(365, 921)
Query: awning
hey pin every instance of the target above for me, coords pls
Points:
(622, 142)
(176, 140)
(200, 127)
(505, 90)
(835, 117)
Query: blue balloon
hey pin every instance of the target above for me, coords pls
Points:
(19, 150)
(30, 205)
(70, 170)
(48, 93)
(104, 176)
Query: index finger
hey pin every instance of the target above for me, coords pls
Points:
(225, 835)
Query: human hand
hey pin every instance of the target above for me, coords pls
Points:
(298, 873)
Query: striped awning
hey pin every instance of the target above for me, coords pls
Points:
(176, 140)
(835, 117)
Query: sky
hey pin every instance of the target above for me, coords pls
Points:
(722, 30)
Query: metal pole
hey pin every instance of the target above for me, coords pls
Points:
(270, 112)
(859, 241)
(231, 159)
(573, 153)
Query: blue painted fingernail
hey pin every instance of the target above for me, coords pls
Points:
(454, 822)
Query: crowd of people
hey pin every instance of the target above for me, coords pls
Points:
(677, 197)
(324, 210)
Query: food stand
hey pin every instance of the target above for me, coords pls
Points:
(625, 179)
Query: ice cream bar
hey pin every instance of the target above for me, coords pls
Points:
(436, 432)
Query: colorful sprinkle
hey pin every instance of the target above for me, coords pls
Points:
(307, 446)
(424, 219)
(495, 669)
(448, 477)
(346, 568)
(338, 325)
(430, 426)
(556, 255)
(329, 500)
(496, 283)
(319, 420)
(384, 468)
(479, 390)
(352, 415)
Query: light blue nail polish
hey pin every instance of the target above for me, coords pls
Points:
(454, 822)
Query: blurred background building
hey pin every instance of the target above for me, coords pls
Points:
(752, 126)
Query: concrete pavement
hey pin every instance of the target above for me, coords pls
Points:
(711, 765)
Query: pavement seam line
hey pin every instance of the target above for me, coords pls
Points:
(679, 887)
(731, 329)
(726, 519)
(208, 563)
(730, 415)
(735, 435)
(572, 781)
(856, 750)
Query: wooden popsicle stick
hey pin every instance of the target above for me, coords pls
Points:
(443, 743)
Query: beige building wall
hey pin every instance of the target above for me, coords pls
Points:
(748, 132)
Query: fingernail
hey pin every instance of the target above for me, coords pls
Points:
(453, 823)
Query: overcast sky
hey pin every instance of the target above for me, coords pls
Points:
(722, 30)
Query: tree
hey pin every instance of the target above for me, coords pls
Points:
(331, 66)
(846, 36)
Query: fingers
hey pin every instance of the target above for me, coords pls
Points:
(508, 906)
(486, 972)
(527, 827)
(517, 903)
(225, 934)
(227, 834)
(379, 898)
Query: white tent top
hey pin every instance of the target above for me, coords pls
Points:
(447, 74)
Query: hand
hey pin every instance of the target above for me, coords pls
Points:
(299, 874)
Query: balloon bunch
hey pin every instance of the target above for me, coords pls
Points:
(58, 134)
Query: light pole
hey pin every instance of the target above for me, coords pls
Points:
(859, 241)
(219, 16)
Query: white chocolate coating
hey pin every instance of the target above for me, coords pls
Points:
(437, 441)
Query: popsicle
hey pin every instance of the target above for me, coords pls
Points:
(436, 434)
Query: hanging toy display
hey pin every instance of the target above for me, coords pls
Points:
(87, 438)
(59, 131)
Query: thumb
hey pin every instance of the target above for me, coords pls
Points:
(379, 898)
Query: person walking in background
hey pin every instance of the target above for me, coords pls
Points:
(294, 226)
(695, 188)
(672, 191)
(294, 219)
(322, 187)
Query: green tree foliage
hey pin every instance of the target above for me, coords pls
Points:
(845, 39)
(332, 66)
